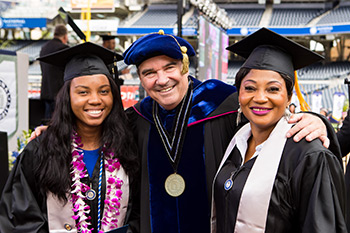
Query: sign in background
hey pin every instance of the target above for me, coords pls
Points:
(23, 22)
(244, 31)
(96, 5)
(98, 25)
(130, 95)
(316, 101)
(213, 56)
(13, 95)
(338, 103)
(8, 93)
(293, 31)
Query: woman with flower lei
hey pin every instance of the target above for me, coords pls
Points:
(80, 175)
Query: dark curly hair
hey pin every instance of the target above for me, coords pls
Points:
(54, 153)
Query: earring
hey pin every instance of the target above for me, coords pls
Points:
(239, 113)
(287, 114)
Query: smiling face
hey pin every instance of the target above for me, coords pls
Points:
(91, 100)
(163, 81)
(263, 98)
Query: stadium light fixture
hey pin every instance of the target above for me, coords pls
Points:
(214, 13)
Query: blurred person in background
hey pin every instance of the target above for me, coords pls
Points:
(108, 42)
(52, 76)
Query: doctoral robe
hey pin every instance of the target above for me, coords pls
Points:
(308, 193)
(24, 209)
(210, 127)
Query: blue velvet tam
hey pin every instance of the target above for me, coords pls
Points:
(156, 44)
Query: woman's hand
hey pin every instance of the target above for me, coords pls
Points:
(37, 131)
(308, 126)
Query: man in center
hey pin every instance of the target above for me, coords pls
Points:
(182, 130)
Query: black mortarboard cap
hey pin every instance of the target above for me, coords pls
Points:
(108, 37)
(267, 50)
(83, 59)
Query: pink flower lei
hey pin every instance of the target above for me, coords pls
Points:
(78, 189)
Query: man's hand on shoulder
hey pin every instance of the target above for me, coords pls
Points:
(308, 126)
(37, 131)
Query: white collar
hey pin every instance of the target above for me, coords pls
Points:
(242, 143)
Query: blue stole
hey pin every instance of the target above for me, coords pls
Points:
(190, 212)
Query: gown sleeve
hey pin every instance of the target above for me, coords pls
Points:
(21, 207)
(321, 193)
(343, 135)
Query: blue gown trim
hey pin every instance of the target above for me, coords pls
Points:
(207, 96)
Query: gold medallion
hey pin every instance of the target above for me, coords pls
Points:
(174, 185)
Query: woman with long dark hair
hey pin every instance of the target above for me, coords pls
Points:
(80, 175)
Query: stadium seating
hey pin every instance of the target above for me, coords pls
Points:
(324, 72)
(244, 14)
(163, 15)
(295, 14)
(337, 16)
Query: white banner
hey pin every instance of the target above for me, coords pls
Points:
(338, 103)
(98, 25)
(8, 94)
(316, 101)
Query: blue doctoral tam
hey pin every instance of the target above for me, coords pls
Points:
(156, 44)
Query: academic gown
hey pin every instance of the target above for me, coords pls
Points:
(210, 128)
(343, 136)
(308, 193)
(24, 209)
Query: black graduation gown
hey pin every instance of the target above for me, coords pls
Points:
(24, 209)
(343, 136)
(212, 132)
(308, 193)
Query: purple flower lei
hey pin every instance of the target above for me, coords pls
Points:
(78, 189)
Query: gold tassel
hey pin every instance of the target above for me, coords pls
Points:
(303, 105)
(185, 60)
